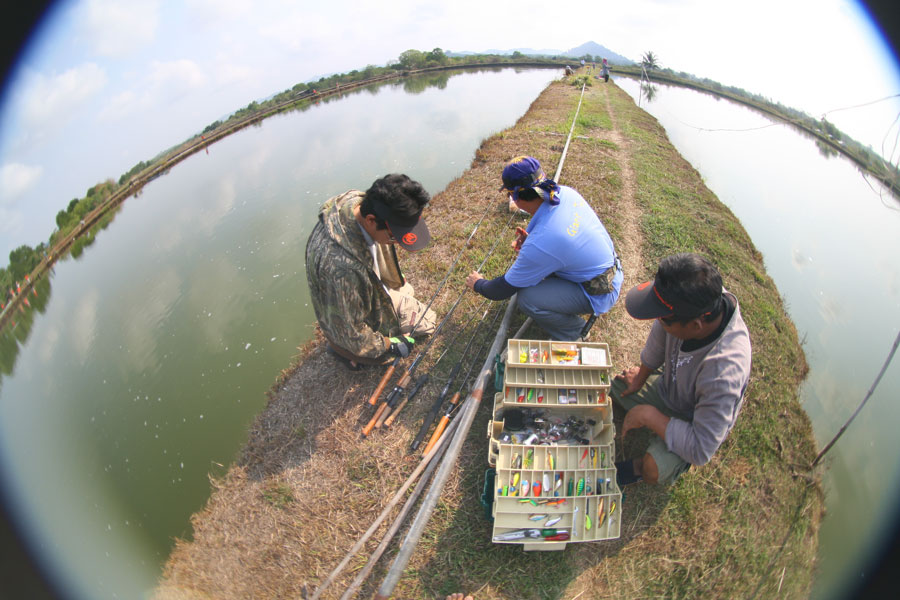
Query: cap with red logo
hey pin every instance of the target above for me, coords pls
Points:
(410, 234)
(646, 301)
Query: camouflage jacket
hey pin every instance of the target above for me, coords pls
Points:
(353, 308)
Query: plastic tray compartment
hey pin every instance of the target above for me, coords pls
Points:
(557, 354)
(577, 495)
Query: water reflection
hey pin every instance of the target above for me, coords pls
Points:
(155, 353)
(829, 238)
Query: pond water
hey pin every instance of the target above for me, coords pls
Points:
(829, 238)
(147, 357)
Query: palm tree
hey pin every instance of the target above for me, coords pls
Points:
(649, 60)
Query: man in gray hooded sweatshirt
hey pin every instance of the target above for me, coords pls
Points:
(703, 347)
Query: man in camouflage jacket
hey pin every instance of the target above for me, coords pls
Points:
(365, 307)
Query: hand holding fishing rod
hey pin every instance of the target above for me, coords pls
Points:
(383, 409)
(373, 399)
(392, 399)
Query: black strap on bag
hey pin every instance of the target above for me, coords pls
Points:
(597, 286)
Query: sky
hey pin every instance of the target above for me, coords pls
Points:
(102, 84)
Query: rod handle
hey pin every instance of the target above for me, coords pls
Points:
(371, 424)
(373, 399)
(442, 424)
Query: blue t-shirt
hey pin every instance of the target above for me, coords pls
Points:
(569, 241)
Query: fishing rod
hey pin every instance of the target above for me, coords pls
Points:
(432, 414)
(424, 378)
(394, 396)
(373, 399)
(436, 406)
(454, 401)
(462, 424)
(380, 415)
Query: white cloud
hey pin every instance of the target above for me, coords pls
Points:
(16, 179)
(49, 101)
(117, 28)
(11, 221)
(164, 84)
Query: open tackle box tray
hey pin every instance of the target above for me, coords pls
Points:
(552, 443)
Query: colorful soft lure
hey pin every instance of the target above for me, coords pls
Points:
(529, 458)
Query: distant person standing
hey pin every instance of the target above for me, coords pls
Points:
(604, 71)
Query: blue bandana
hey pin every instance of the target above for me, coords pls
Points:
(525, 172)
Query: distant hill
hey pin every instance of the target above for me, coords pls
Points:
(592, 48)
(595, 49)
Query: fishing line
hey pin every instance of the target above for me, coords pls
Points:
(887, 362)
(859, 105)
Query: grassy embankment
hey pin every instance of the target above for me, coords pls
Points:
(307, 486)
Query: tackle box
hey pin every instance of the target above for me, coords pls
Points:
(552, 425)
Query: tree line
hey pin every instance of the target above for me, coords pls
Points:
(24, 259)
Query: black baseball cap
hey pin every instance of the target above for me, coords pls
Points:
(645, 301)
(410, 233)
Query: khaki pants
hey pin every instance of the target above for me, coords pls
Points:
(410, 312)
(670, 465)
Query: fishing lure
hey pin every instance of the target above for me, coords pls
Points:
(552, 522)
(601, 517)
(556, 502)
(525, 487)
(530, 394)
(514, 463)
(558, 481)
(583, 456)
(546, 482)
(529, 458)
(570, 488)
(537, 517)
(549, 461)
(515, 479)
(517, 534)
(594, 457)
(587, 522)
(580, 489)
(523, 356)
(540, 397)
(559, 537)
(536, 488)
(520, 394)
(540, 376)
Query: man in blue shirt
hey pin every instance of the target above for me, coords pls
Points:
(566, 264)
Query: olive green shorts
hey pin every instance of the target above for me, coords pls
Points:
(670, 465)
